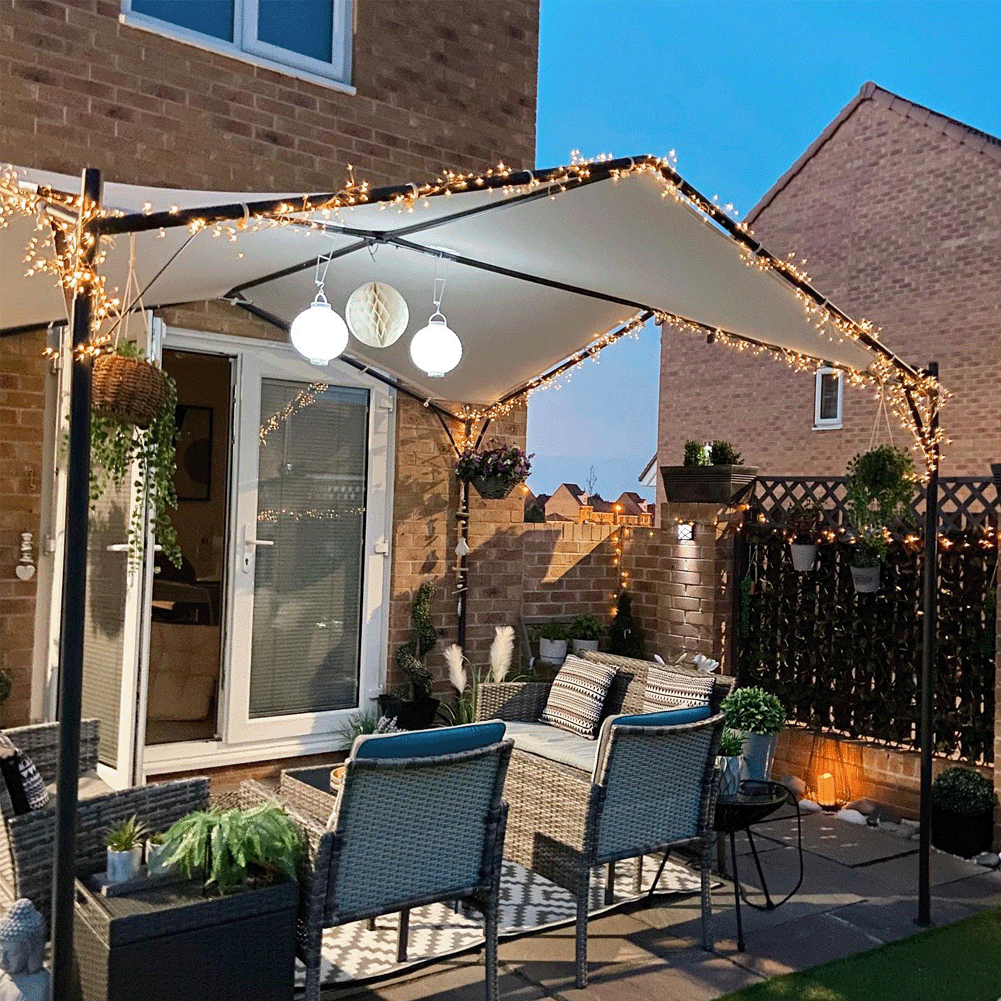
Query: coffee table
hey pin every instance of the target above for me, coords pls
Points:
(754, 802)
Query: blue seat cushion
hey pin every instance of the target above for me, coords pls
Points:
(551, 742)
(669, 717)
(428, 743)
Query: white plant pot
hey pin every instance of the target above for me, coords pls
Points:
(729, 779)
(154, 860)
(552, 651)
(803, 556)
(759, 753)
(865, 579)
(123, 866)
(579, 646)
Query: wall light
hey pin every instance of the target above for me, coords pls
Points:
(686, 531)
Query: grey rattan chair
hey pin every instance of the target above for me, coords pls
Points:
(419, 819)
(26, 841)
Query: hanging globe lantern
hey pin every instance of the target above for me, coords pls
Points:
(318, 333)
(436, 349)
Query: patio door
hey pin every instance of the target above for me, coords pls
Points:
(116, 640)
(310, 559)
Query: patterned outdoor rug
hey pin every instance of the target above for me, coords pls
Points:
(528, 902)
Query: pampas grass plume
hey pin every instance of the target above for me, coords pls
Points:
(456, 669)
(500, 652)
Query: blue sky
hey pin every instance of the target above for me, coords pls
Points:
(738, 90)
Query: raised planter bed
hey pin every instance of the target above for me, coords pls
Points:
(707, 484)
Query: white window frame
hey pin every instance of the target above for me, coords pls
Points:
(247, 47)
(827, 423)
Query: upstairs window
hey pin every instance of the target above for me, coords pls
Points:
(829, 398)
(312, 37)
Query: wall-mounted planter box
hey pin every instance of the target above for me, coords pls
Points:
(707, 484)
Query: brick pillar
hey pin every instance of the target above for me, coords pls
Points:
(997, 710)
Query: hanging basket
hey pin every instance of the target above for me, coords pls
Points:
(492, 487)
(127, 389)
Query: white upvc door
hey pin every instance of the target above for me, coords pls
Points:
(310, 547)
(116, 637)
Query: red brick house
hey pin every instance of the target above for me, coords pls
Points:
(897, 209)
(168, 94)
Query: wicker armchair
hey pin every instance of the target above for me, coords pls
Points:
(26, 841)
(652, 790)
(411, 827)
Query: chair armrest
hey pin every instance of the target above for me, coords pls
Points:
(512, 700)
(306, 798)
(40, 742)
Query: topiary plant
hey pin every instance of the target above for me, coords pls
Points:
(624, 637)
(410, 656)
(695, 454)
(722, 453)
(963, 791)
(753, 710)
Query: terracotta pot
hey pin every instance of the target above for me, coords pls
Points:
(804, 556)
(865, 579)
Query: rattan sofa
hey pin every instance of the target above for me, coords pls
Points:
(26, 841)
(639, 790)
(390, 846)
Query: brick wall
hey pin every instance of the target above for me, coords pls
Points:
(900, 223)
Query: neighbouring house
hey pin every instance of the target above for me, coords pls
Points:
(183, 96)
(565, 503)
(897, 210)
(570, 503)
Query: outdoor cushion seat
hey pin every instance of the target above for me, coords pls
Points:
(553, 743)
(90, 785)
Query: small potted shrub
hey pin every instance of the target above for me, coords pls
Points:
(125, 850)
(553, 642)
(711, 474)
(585, 631)
(495, 471)
(730, 760)
(802, 529)
(155, 854)
(962, 812)
(880, 485)
(758, 716)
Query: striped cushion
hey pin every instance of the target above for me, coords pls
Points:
(578, 696)
(666, 689)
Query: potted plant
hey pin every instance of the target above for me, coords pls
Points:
(125, 850)
(880, 486)
(585, 631)
(495, 471)
(730, 760)
(553, 642)
(802, 529)
(416, 712)
(962, 812)
(125, 433)
(467, 683)
(758, 716)
(711, 474)
(364, 723)
(624, 637)
(155, 856)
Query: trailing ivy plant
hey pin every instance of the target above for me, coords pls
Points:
(114, 446)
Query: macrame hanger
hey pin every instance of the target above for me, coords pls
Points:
(132, 287)
(881, 410)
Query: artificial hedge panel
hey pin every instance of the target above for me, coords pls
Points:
(851, 663)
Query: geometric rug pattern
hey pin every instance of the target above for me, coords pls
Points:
(527, 902)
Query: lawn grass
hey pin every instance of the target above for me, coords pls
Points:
(959, 962)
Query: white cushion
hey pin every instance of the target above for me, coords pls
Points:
(553, 743)
(90, 786)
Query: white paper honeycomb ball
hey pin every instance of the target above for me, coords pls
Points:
(377, 314)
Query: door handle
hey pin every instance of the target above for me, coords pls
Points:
(250, 544)
(259, 542)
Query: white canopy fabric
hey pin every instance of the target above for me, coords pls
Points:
(529, 281)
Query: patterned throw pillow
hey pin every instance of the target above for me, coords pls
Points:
(577, 696)
(25, 785)
(667, 689)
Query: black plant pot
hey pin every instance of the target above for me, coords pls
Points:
(492, 487)
(417, 714)
(962, 834)
(707, 484)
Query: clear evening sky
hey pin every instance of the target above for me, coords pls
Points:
(738, 90)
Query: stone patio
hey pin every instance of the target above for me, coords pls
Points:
(651, 953)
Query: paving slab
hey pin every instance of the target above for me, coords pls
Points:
(847, 844)
(892, 919)
(807, 942)
(457, 981)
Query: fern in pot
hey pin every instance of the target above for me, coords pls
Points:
(759, 716)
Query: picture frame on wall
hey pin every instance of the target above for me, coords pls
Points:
(193, 478)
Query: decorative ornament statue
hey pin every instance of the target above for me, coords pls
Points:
(22, 948)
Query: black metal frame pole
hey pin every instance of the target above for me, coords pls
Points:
(928, 633)
(71, 628)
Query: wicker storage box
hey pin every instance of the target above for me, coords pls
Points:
(173, 943)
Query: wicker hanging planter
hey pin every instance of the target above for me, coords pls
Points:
(127, 389)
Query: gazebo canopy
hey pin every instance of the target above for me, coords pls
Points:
(541, 269)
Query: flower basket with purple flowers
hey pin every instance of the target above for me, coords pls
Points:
(495, 471)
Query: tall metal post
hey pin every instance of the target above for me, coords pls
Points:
(928, 631)
(462, 583)
(71, 630)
